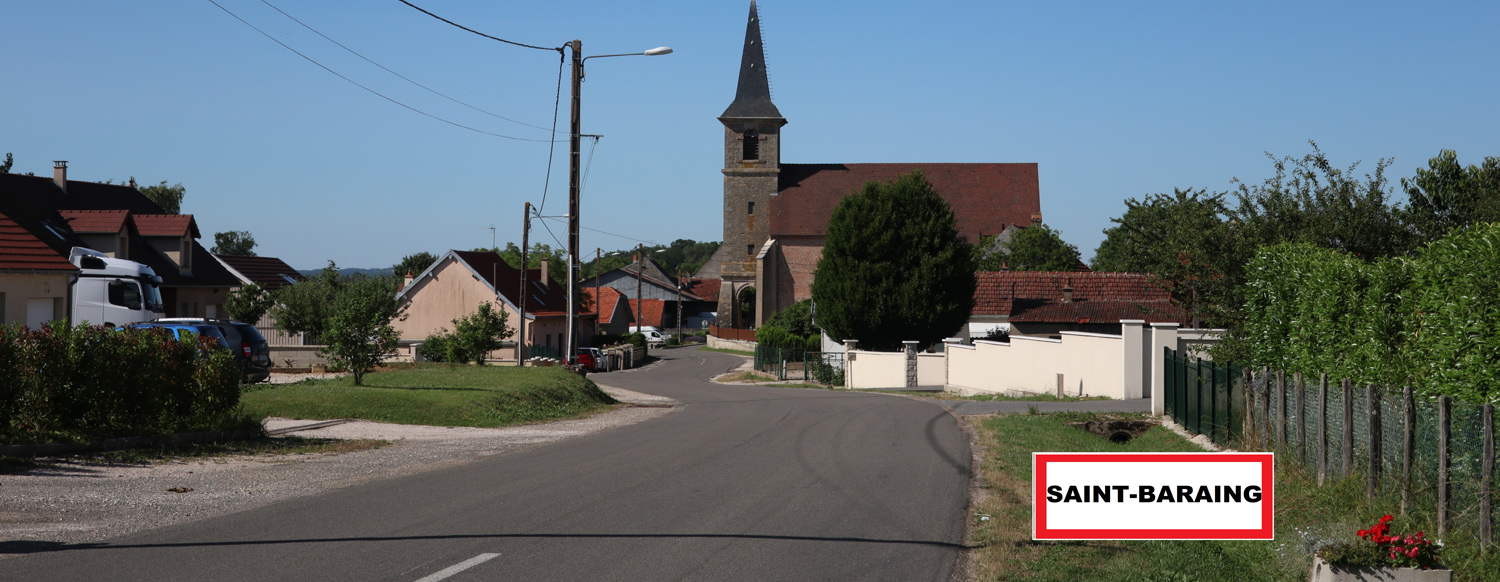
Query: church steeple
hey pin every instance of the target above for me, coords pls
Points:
(753, 98)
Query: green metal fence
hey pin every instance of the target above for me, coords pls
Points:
(543, 352)
(801, 364)
(1204, 397)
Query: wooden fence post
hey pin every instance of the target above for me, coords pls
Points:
(1372, 480)
(1265, 409)
(1347, 459)
(1486, 484)
(1322, 428)
(1247, 429)
(1408, 445)
(1280, 410)
(1445, 452)
(1301, 417)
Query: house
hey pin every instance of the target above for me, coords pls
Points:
(272, 274)
(615, 315)
(655, 284)
(459, 281)
(776, 214)
(1034, 303)
(34, 278)
(116, 219)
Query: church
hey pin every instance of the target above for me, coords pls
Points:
(776, 215)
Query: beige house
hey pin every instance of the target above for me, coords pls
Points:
(460, 281)
(34, 279)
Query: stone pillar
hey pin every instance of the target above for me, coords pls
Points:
(910, 349)
(1133, 349)
(1163, 335)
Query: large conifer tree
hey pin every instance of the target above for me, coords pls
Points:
(894, 267)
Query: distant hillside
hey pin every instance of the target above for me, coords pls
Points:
(347, 272)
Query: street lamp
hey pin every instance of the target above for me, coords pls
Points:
(574, 133)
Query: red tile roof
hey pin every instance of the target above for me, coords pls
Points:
(166, 225)
(20, 250)
(651, 311)
(607, 306)
(269, 272)
(541, 300)
(708, 289)
(1097, 297)
(985, 197)
(96, 221)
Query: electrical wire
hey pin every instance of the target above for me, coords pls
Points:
(584, 183)
(403, 77)
(649, 242)
(372, 91)
(423, 11)
(551, 149)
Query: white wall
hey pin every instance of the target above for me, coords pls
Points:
(932, 370)
(876, 370)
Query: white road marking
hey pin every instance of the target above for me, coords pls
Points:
(459, 567)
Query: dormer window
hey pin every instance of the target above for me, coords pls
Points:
(751, 149)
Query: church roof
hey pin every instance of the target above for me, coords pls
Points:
(753, 97)
(985, 197)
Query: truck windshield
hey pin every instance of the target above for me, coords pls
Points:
(152, 294)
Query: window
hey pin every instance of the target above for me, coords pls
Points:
(750, 149)
(750, 249)
(125, 294)
(752, 208)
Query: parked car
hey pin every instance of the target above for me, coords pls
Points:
(593, 358)
(251, 351)
(179, 329)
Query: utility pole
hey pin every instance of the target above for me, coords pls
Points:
(640, 256)
(598, 311)
(679, 305)
(521, 326)
(574, 133)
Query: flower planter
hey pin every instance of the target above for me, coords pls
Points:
(1324, 572)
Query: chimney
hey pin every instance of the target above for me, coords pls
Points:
(1036, 219)
(60, 174)
(543, 278)
(409, 278)
(1068, 291)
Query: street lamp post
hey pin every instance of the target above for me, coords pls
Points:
(575, 132)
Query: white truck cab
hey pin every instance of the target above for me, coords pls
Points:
(113, 292)
(653, 335)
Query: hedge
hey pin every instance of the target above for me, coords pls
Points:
(98, 382)
(1432, 322)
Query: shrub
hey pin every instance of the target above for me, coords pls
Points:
(796, 318)
(435, 347)
(95, 381)
(477, 334)
(637, 339)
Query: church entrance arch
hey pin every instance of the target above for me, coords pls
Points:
(744, 308)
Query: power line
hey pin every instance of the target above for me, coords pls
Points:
(403, 77)
(551, 149)
(583, 184)
(540, 48)
(649, 242)
(372, 91)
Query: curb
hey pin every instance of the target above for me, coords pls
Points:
(44, 450)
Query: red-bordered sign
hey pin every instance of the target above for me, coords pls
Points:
(1153, 496)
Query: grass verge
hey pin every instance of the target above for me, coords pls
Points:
(724, 351)
(438, 395)
(1307, 517)
(1006, 397)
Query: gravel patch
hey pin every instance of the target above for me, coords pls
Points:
(295, 378)
(68, 502)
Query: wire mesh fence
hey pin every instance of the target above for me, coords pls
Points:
(1435, 454)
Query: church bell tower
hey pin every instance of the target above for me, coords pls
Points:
(752, 164)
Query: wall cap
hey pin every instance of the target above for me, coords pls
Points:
(1089, 334)
(1034, 339)
(1166, 325)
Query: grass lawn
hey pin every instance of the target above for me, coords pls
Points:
(1307, 517)
(438, 395)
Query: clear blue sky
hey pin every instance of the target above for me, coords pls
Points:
(1113, 100)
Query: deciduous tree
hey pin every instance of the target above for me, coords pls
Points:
(1447, 195)
(234, 242)
(167, 197)
(1040, 248)
(249, 303)
(414, 264)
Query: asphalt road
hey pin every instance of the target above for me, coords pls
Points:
(741, 483)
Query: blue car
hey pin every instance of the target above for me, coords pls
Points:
(180, 329)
